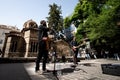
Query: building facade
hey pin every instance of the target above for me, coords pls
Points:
(23, 43)
(3, 30)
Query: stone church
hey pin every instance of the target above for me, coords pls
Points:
(25, 42)
(22, 44)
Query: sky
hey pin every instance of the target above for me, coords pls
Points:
(17, 12)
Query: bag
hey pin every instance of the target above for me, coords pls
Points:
(112, 69)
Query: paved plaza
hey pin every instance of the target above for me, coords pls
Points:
(85, 70)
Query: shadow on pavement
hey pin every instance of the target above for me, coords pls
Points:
(55, 75)
(68, 70)
(13, 72)
(51, 76)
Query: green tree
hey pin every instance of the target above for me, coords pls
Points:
(102, 28)
(66, 22)
(55, 20)
(99, 21)
(82, 11)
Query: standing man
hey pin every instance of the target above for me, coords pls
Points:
(43, 46)
(75, 49)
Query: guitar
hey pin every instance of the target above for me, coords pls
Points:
(74, 48)
(46, 39)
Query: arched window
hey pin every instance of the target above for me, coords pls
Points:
(13, 47)
(33, 46)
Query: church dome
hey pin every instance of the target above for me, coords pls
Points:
(30, 24)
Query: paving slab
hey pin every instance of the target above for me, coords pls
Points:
(85, 70)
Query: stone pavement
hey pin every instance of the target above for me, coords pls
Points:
(86, 70)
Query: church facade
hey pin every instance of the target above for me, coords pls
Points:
(23, 43)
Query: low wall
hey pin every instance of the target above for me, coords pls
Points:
(17, 60)
(32, 59)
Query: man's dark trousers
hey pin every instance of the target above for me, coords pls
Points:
(43, 54)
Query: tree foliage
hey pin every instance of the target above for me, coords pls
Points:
(97, 20)
(55, 20)
(67, 22)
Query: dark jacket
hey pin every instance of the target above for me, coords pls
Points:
(42, 32)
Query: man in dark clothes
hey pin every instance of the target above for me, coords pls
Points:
(75, 48)
(43, 46)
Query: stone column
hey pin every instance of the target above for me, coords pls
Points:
(7, 47)
(27, 40)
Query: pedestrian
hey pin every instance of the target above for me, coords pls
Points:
(43, 46)
(93, 53)
(116, 55)
(75, 48)
(88, 53)
(52, 54)
(106, 54)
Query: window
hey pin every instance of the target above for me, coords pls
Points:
(13, 47)
(33, 47)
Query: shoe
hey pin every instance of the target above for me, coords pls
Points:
(36, 70)
(45, 71)
(73, 65)
(76, 64)
(39, 72)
